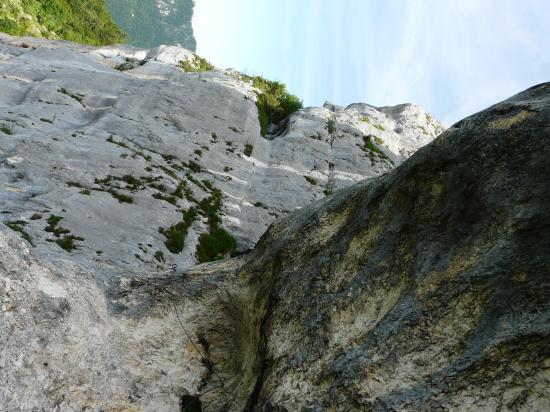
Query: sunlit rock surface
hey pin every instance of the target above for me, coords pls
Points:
(119, 142)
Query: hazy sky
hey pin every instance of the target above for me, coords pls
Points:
(453, 57)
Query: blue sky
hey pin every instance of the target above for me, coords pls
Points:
(452, 57)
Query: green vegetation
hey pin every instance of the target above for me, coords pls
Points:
(274, 102)
(311, 180)
(77, 97)
(380, 127)
(67, 241)
(260, 205)
(134, 184)
(18, 226)
(248, 149)
(170, 199)
(193, 166)
(43, 119)
(331, 126)
(365, 119)
(52, 227)
(373, 150)
(121, 197)
(198, 65)
(175, 235)
(81, 21)
(5, 129)
(86, 192)
(159, 256)
(217, 243)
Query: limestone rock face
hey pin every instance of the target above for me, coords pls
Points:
(121, 144)
(422, 289)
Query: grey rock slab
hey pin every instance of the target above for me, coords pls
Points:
(62, 102)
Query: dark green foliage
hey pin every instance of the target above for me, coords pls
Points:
(105, 181)
(372, 150)
(43, 119)
(159, 256)
(217, 243)
(208, 184)
(311, 180)
(18, 226)
(67, 242)
(121, 197)
(36, 216)
(133, 182)
(5, 129)
(193, 166)
(158, 186)
(53, 227)
(274, 102)
(227, 169)
(198, 152)
(170, 199)
(121, 144)
(182, 190)
(168, 171)
(248, 149)
(175, 235)
(81, 21)
(74, 184)
(77, 97)
(331, 126)
(259, 204)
